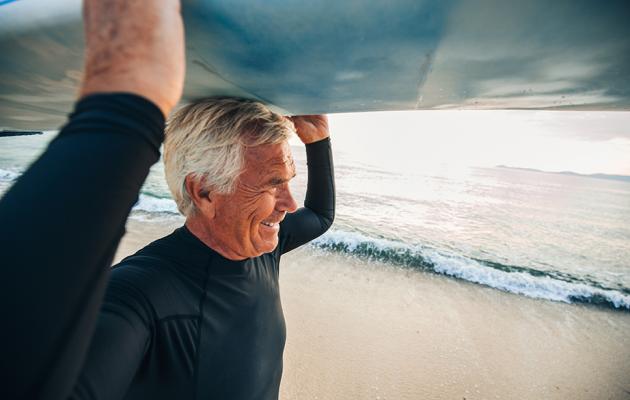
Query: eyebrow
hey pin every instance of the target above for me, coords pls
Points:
(278, 181)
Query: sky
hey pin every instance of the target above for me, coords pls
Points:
(578, 141)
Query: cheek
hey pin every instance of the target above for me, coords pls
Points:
(265, 206)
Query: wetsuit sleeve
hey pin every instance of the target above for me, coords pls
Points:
(122, 336)
(61, 224)
(318, 212)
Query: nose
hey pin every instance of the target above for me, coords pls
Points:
(286, 202)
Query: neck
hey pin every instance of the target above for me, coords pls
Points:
(203, 232)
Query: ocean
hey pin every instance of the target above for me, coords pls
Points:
(548, 236)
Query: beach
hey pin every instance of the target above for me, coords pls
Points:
(441, 283)
(359, 329)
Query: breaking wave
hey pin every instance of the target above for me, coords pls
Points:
(153, 204)
(8, 175)
(519, 280)
(549, 285)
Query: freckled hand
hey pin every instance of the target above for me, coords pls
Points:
(311, 128)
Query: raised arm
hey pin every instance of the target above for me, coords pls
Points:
(318, 212)
(62, 220)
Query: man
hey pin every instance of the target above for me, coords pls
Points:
(197, 314)
(61, 221)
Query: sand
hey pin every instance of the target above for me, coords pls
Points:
(359, 330)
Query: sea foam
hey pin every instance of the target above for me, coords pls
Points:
(539, 286)
(8, 175)
(152, 204)
(146, 202)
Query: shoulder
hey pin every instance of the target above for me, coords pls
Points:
(152, 284)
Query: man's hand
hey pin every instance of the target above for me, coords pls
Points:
(135, 46)
(311, 128)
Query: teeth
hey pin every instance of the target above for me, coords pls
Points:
(268, 224)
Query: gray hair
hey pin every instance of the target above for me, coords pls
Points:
(207, 139)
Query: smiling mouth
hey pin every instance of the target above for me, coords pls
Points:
(270, 224)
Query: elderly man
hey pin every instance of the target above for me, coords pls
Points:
(197, 314)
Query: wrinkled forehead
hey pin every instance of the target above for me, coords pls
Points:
(269, 159)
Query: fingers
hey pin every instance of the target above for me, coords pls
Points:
(311, 128)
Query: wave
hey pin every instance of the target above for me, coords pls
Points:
(153, 204)
(8, 175)
(549, 285)
(146, 202)
(517, 280)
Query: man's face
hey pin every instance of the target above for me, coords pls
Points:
(246, 222)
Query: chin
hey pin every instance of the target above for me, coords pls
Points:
(266, 248)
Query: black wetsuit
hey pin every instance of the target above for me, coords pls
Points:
(180, 321)
(60, 225)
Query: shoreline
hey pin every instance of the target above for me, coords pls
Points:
(365, 330)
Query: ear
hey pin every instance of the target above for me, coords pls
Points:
(201, 197)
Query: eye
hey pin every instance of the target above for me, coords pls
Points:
(275, 186)
(272, 188)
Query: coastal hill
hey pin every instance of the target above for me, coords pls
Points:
(623, 178)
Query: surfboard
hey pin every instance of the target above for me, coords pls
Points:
(346, 56)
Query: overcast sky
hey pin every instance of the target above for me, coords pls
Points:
(584, 142)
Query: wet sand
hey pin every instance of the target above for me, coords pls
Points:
(358, 330)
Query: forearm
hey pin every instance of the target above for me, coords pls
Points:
(320, 191)
(134, 47)
(318, 212)
(71, 204)
(61, 223)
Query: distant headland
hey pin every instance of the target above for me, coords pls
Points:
(623, 178)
